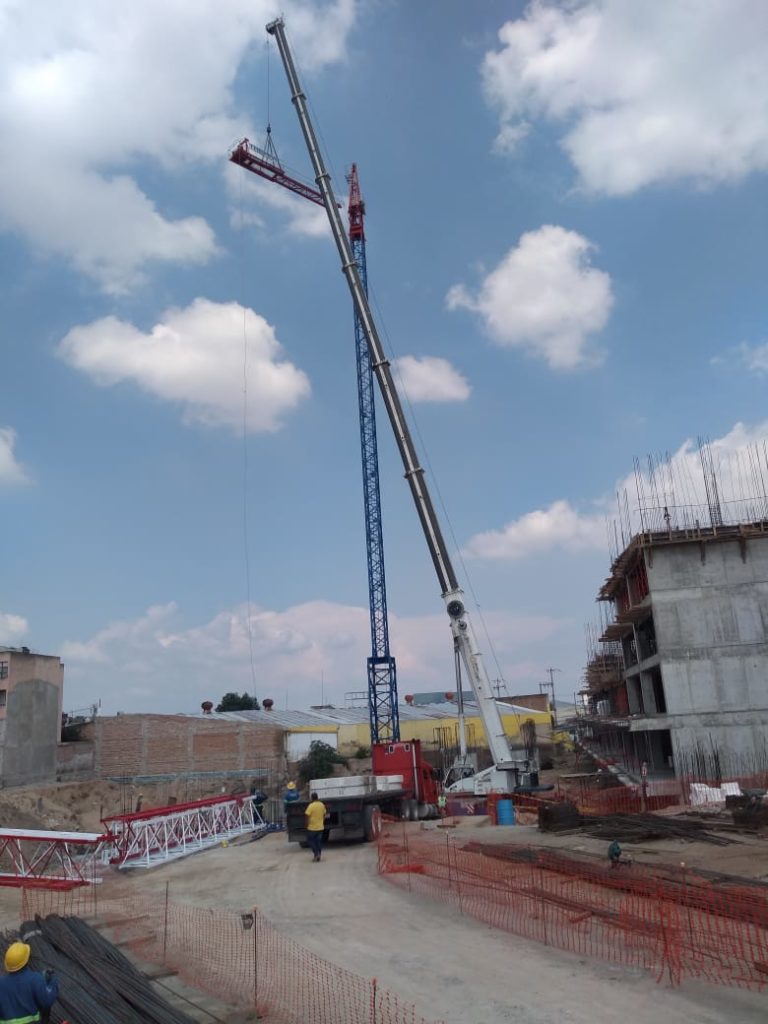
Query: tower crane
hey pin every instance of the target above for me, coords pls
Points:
(382, 670)
(505, 773)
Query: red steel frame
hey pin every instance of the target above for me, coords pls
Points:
(49, 860)
(146, 838)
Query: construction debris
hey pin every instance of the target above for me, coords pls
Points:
(98, 985)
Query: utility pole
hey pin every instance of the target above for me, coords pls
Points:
(550, 685)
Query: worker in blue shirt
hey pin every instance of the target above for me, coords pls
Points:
(290, 796)
(24, 993)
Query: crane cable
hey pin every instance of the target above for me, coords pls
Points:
(246, 545)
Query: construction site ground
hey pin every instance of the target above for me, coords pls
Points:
(452, 968)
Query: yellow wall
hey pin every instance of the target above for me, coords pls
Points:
(354, 736)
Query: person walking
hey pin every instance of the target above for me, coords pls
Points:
(315, 815)
(25, 995)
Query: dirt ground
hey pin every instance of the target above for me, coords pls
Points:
(452, 968)
(82, 805)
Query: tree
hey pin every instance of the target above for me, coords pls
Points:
(319, 762)
(238, 702)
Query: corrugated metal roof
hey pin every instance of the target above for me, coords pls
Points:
(355, 716)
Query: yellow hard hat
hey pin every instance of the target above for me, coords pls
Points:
(17, 956)
(291, 785)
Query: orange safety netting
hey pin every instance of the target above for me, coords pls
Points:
(678, 926)
(240, 958)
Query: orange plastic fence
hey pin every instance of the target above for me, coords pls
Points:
(240, 958)
(675, 927)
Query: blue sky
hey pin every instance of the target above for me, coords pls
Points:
(566, 223)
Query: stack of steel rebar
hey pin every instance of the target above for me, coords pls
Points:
(98, 984)
(640, 828)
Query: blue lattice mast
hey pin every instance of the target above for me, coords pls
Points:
(382, 672)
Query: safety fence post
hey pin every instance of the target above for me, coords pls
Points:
(256, 945)
(543, 901)
(407, 856)
(165, 923)
(457, 872)
(374, 986)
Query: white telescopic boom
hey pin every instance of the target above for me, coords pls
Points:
(414, 474)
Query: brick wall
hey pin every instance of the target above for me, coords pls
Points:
(146, 745)
(75, 761)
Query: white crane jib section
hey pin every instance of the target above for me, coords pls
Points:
(414, 474)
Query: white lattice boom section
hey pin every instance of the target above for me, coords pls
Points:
(153, 837)
(50, 860)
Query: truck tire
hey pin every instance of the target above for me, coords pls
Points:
(372, 823)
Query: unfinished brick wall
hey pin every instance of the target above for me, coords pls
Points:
(144, 745)
(75, 761)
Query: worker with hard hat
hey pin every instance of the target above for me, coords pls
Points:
(290, 796)
(25, 994)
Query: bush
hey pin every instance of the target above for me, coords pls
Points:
(319, 762)
(362, 752)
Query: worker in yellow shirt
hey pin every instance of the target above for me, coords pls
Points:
(315, 815)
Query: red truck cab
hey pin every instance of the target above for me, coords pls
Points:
(403, 757)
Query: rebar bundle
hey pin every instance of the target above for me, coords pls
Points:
(98, 985)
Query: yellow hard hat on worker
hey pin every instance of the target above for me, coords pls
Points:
(17, 956)
(291, 785)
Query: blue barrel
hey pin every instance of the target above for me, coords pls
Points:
(505, 812)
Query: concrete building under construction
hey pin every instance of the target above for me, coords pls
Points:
(677, 677)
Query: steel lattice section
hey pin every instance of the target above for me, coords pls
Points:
(167, 833)
(56, 860)
(382, 671)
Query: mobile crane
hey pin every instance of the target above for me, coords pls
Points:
(505, 773)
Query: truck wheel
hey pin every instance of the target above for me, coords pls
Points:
(410, 810)
(372, 824)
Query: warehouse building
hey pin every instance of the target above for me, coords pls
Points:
(436, 725)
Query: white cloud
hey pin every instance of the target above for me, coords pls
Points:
(674, 487)
(646, 92)
(90, 90)
(11, 470)
(544, 297)
(12, 628)
(194, 357)
(119, 637)
(303, 218)
(155, 663)
(754, 356)
(431, 379)
(560, 526)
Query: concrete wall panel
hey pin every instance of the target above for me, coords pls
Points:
(32, 726)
